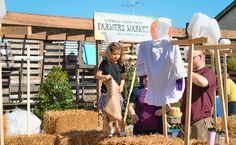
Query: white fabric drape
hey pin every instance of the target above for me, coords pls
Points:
(162, 63)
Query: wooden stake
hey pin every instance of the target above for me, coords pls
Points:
(214, 99)
(225, 84)
(28, 90)
(164, 121)
(189, 96)
(221, 94)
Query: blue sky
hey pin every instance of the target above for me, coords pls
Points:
(179, 11)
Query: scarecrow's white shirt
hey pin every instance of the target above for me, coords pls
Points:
(163, 64)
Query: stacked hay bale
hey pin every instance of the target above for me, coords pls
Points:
(70, 120)
(36, 139)
(231, 122)
(80, 127)
(141, 140)
(67, 127)
(92, 137)
(148, 140)
(232, 125)
(73, 127)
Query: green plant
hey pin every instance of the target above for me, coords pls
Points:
(55, 93)
(232, 63)
(128, 79)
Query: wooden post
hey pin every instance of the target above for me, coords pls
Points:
(28, 90)
(99, 83)
(189, 95)
(225, 83)
(164, 121)
(1, 107)
(214, 99)
(42, 45)
(98, 61)
(21, 71)
(221, 94)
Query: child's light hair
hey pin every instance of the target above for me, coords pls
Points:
(112, 48)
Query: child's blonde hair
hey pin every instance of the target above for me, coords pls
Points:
(112, 48)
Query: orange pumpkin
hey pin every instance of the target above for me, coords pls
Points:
(153, 29)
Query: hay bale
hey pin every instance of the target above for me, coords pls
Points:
(198, 142)
(232, 124)
(95, 137)
(142, 140)
(91, 137)
(218, 123)
(36, 139)
(70, 120)
(232, 140)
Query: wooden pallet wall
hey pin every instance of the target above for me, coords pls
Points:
(87, 83)
(71, 65)
(15, 77)
(53, 56)
(18, 76)
(6, 63)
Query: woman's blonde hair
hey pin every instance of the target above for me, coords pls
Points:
(112, 48)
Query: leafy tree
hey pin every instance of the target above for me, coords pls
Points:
(55, 93)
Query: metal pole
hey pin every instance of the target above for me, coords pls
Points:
(132, 7)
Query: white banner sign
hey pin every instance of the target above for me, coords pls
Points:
(125, 27)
